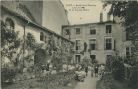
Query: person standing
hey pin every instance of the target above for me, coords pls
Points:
(96, 71)
(100, 70)
(92, 71)
(86, 70)
(103, 69)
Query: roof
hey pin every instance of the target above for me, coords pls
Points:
(32, 23)
(89, 24)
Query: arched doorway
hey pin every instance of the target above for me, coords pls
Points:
(40, 61)
(40, 57)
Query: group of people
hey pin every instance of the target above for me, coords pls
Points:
(97, 70)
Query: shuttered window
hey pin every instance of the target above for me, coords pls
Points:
(108, 44)
(92, 44)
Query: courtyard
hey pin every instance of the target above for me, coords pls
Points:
(44, 47)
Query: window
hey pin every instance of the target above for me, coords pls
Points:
(77, 58)
(67, 32)
(92, 31)
(108, 28)
(108, 45)
(41, 36)
(9, 23)
(92, 44)
(128, 54)
(77, 30)
(78, 44)
(93, 57)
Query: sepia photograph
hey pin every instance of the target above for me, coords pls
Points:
(69, 44)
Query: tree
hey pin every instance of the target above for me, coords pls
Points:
(117, 67)
(30, 45)
(30, 41)
(10, 42)
(57, 62)
(85, 46)
(108, 64)
(127, 12)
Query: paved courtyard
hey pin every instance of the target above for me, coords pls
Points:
(89, 83)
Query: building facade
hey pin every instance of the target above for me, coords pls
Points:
(54, 15)
(48, 40)
(50, 14)
(97, 41)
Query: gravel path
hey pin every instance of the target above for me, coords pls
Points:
(89, 83)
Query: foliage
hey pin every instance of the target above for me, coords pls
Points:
(85, 61)
(8, 74)
(126, 10)
(10, 42)
(8, 36)
(61, 79)
(30, 41)
(118, 70)
(40, 57)
(31, 46)
(50, 81)
(85, 47)
(116, 66)
(108, 82)
(57, 62)
(40, 61)
(108, 64)
(133, 82)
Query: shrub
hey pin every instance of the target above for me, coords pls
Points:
(134, 79)
(8, 74)
(61, 78)
(118, 70)
(108, 64)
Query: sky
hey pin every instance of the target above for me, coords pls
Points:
(84, 11)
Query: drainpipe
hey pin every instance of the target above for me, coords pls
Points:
(24, 27)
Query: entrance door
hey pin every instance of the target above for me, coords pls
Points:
(93, 58)
(77, 58)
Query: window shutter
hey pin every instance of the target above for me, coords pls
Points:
(104, 43)
(96, 45)
(114, 44)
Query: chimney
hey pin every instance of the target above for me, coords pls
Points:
(101, 17)
(108, 17)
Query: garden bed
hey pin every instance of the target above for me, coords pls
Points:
(55, 81)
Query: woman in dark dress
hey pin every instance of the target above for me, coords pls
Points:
(86, 70)
(96, 71)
